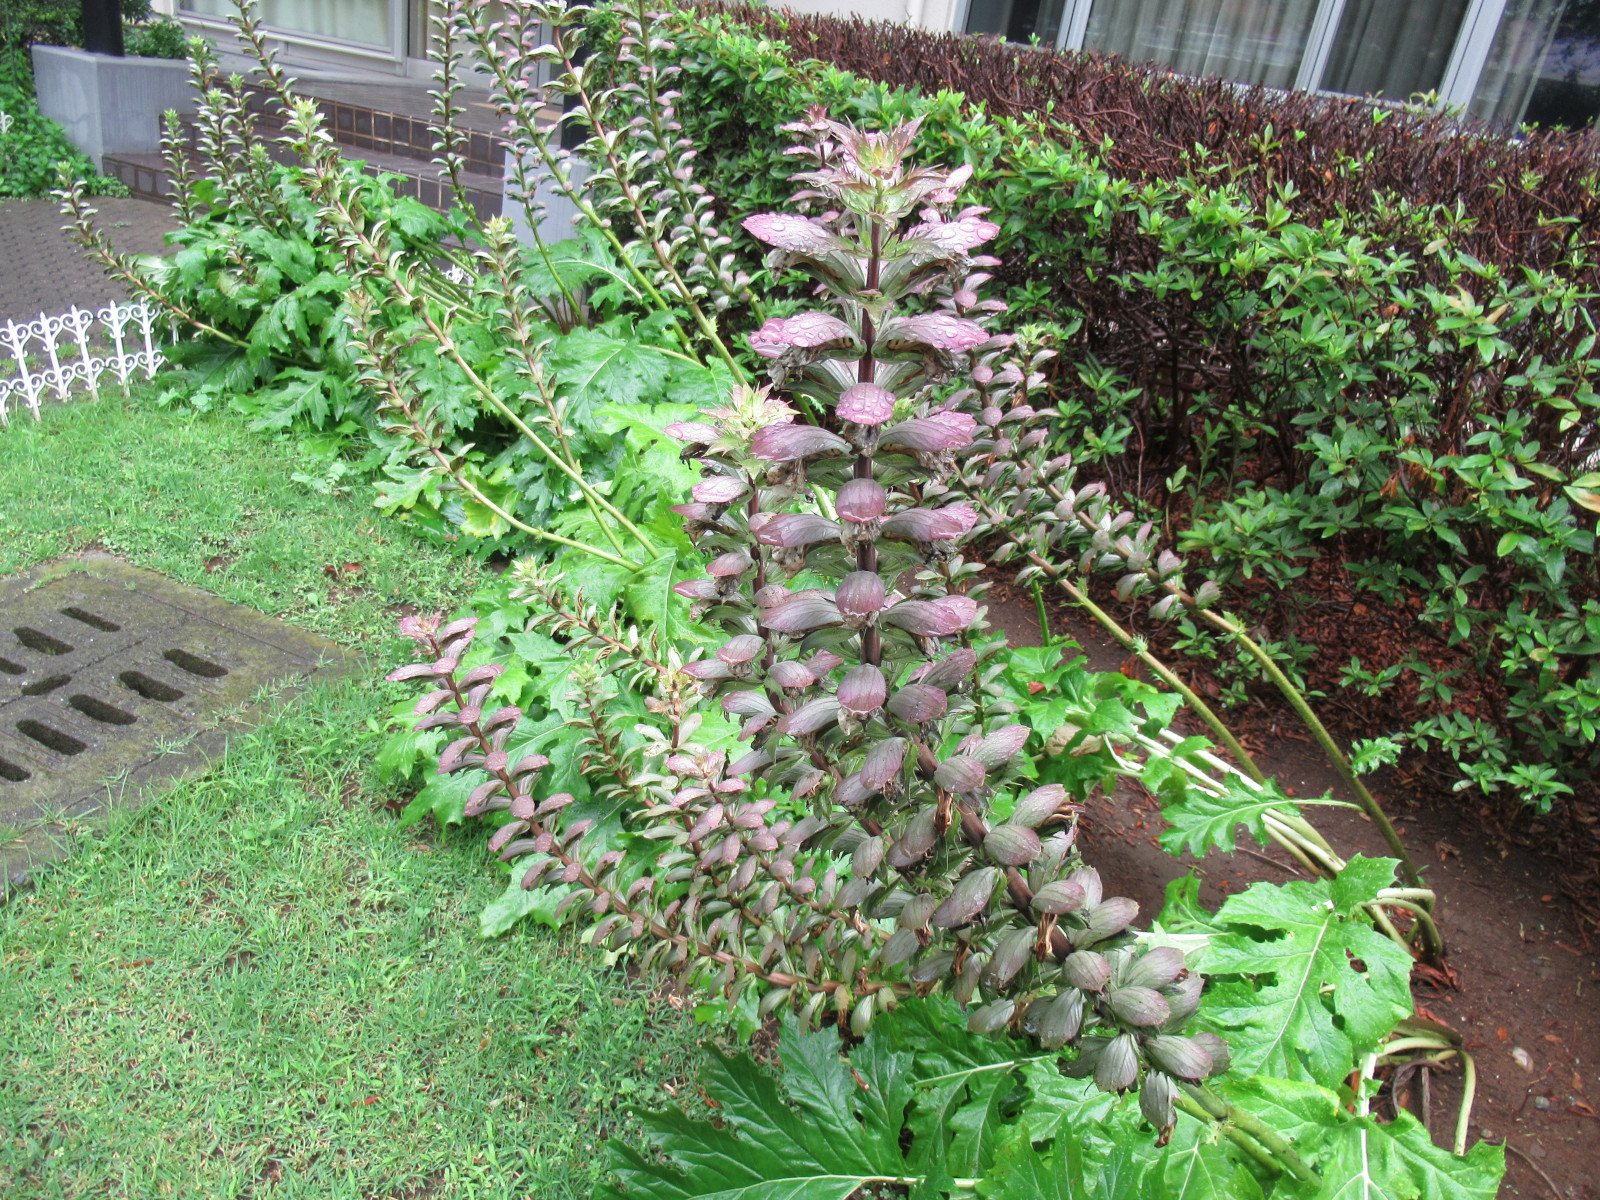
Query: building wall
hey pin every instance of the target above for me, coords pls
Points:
(931, 14)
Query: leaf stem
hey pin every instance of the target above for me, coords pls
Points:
(1128, 642)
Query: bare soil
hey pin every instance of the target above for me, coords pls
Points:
(1524, 975)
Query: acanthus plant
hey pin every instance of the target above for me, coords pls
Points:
(878, 838)
(1025, 494)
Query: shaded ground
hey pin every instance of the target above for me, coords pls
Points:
(42, 271)
(1528, 979)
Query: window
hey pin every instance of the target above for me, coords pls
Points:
(368, 22)
(1251, 41)
(1543, 67)
(1390, 49)
(1507, 61)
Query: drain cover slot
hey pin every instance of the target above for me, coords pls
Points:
(120, 680)
(99, 710)
(150, 689)
(194, 664)
(41, 643)
(90, 619)
(61, 743)
(45, 686)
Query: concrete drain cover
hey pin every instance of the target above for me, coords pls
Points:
(114, 679)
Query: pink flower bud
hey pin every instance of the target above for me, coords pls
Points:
(801, 613)
(790, 674)
(707, 670)
(734, 562)
(810, 718)
(798, 235)
(823, 663)
(797, 529)
(861, 500)
(883, 762)
(949, 672)
(787, 442)
(960, 774)
(720, 489)
(937, 331)
(917, 703)
(741, 649)
(942, 431)
(865, 404)
(862, 690)
(933, 618)
(930, 524)
(693, 432)
(860, 594)
(696, 589)
(813, 331)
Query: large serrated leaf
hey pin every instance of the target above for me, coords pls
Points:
(1299, 1007)
(1369, 1161)
(837, 1136)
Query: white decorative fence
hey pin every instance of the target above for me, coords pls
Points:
(54, 356)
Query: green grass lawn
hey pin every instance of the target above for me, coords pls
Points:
(258, 984)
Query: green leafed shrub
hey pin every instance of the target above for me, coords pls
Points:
(55, 22)
(266, 283)
(33, 148)
(156, 39)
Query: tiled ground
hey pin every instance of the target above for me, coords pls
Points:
(42, 271)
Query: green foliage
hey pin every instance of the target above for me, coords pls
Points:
(156, 39)
(273, 278)
(843, 1134)
(56, 22)
(34, 145)
(929, 1112)
(1313, 986)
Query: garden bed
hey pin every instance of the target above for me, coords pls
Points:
(1523, 969)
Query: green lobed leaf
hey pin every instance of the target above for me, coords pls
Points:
(829, 1137)
(1299, 1007)
(1369, 1161)
(1201, 822)
(514, 904)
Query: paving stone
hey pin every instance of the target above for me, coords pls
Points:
(41, 270)
(114, 681)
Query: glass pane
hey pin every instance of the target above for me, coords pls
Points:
(1251, 41)
(348, 20)
(1544, 66)
(1017, 20)
(365, 21)
(1384, 48)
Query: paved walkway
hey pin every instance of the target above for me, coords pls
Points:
(41, 270)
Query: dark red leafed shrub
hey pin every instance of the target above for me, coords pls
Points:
(1160, 125)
